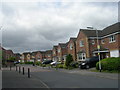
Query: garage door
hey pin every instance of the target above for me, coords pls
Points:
(114, 53)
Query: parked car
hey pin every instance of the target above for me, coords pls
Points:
(47, 62)
(89, 62)
(16, 62)
(55, 63)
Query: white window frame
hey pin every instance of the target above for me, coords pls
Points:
(59, 50)
(48, 55)
(82, 56)
(81, 43)
(54, 52)
(112, 39)
(93, 42)
(71, 46)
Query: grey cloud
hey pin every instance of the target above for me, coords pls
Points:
(34, 29)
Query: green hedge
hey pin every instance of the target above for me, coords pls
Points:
(38, 63)
(28, 62)
(109, 64)
(60, 65)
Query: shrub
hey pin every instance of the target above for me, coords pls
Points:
(28, 62)
(65, 67)
(60, 65)
(43, 65)
(109, 64)
(12, 59)
(38, 63)
(69, 59)
(74, 64)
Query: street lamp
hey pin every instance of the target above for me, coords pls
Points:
(98, 46)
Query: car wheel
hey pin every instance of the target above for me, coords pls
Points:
(87, 66)
(79, 66)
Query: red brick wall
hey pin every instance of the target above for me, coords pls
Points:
(73, 50)
(38, 56)
(82, 36)
(111, 46)
(63, 51)
(54, 50)
(93, 47)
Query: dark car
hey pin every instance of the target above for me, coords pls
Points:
(47, 62)
(89, 62)
(16, 62)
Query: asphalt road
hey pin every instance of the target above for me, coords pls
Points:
(51, 78)
(56, 79)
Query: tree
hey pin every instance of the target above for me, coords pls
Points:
(69, 59)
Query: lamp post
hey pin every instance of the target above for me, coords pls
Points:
(98, 46)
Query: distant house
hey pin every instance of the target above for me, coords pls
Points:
(48, 55)
(17, 56)
(3, 53)
(39, 56)
(9, 54)
(71, 48)
(55, 53)
(26, 57)
(108, 39)
(62, 51)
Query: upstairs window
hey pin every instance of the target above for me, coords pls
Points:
(48, 55)
(71, 46)
(59, 50)
(93, 42)
(112, 38)
(53, 52)
(81, 43)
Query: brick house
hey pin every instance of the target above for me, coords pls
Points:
(40, 55)
(47, 55)
(86, 43)
(55, 53)
(9, 53)
(3, 53)
(26, 57)
(62, 51)
(110, 41)
(17, 56)
(71, 48)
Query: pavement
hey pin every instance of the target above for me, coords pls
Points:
(12, 79)
(61, 78)
(0, 79)
(86, 72)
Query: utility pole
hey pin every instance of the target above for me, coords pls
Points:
(98, 46)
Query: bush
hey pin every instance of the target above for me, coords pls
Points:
(69, 59)
(109, 64)
(38, 63)
(28, 62)
(60, 65)
(65, 67)
(74, 64)
(43, 65)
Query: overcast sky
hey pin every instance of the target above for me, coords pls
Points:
(30, 26)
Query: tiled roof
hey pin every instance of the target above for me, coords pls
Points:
(91, 33)
(55, 47)
(25, 53)
(106, 31)
(111, 29)
(48, 52)
(73, 39)
(63, 45)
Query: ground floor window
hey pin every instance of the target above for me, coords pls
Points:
(82, 56)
